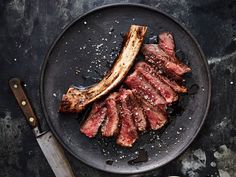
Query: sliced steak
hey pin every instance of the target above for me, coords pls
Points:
(174, 85)
(155, 53)
(166, 43)
(137, 112)
(155, 116)
(97, 115)
(128, 133)
(141, 100)
(147, 92)
(161, 69)
(110, 126)
(148, 68)
(165, 90)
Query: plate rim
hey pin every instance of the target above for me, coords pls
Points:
(58, 37)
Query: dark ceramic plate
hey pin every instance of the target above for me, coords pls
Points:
(80, 56)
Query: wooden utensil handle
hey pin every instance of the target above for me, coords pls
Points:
(16, 87)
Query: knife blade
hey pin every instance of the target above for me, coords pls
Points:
(50, 147)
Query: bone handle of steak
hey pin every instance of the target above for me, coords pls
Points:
(76, 99)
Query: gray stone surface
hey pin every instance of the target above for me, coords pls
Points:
(28, 28)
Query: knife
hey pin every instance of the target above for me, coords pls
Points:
(50, 147)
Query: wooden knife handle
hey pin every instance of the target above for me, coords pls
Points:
(16, 87)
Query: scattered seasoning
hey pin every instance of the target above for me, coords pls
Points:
(99, 45)
(213, 164)
(111, 29)
(77, 71)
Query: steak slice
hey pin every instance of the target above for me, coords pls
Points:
(128, 133)
(155, 116)
(175, 86)
(167, 62)
(97, 115)
(137, 112)
(165, 90)
(110, 126)
(147, 92)
(161, 69)
(166, 43)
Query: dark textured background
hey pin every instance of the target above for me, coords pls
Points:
(28, 28)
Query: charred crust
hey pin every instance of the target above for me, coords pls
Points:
(65, 105)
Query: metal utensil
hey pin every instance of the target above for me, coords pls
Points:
(47, 142)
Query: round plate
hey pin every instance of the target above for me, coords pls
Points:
(81, 55)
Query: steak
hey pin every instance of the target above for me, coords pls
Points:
(110, 126)
(165, 90)
(128, 133)
(167, 62)
(141, 100)
(155, 116)
(153, 85)
(173, 84)
(161, 69)
(144, 89)
(96, 117)
(166, 43)
(148, 68)
(137, 112)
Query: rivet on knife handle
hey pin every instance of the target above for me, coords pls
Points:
(16, 87)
